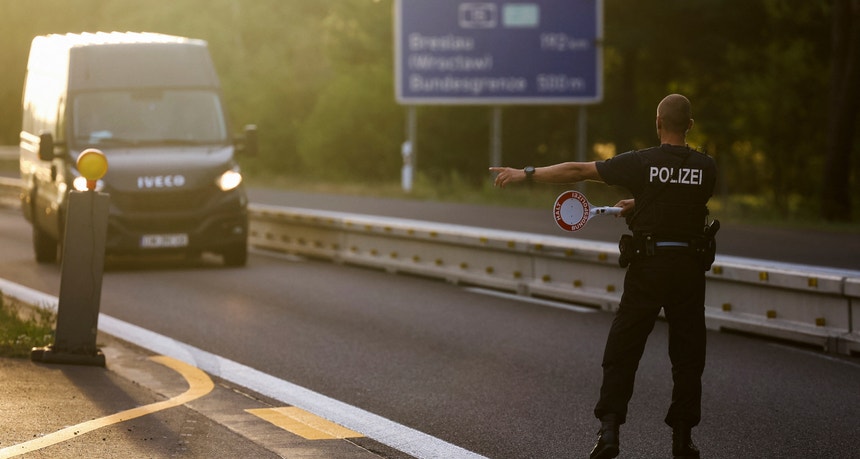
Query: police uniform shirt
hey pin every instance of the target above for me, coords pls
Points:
(671, 185)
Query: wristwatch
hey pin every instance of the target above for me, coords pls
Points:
(530, 172)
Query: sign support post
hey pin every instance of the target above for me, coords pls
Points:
(496, 137)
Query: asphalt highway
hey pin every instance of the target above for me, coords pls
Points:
(501, 377)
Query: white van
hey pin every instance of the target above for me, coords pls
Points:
(152, 103)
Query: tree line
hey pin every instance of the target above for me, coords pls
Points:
(774, 86)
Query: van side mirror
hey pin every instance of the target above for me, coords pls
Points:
(46, 146)
(250, 141)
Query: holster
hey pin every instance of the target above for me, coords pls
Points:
(706, 247)
(627, 248)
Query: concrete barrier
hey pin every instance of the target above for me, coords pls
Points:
(10, 192)
(803, 304)
(8, 152)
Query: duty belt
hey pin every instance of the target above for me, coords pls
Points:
(648, 243)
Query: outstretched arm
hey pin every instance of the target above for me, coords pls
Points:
(569, 172)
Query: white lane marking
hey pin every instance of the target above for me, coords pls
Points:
(528, 299)
(385, 431)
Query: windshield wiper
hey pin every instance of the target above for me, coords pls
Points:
(106, 141)
(182, 142)
(118, 141)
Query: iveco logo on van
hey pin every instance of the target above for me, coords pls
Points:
(160, 181)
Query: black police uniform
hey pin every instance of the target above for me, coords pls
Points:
(671, 186)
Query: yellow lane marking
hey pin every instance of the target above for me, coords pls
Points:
(304, 424)
(199, 385)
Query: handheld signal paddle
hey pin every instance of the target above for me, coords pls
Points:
(572, 210)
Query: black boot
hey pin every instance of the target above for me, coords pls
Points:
(682, 443)
(607, 441)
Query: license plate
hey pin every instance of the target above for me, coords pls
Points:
(160, 241)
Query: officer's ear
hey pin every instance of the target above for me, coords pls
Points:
(690, 126)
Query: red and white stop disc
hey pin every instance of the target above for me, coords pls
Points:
(571, 210)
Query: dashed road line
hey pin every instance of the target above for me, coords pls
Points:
(304, 424)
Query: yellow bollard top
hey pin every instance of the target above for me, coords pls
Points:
(93, 165)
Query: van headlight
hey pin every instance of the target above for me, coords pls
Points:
(229, 180)
(80, 184)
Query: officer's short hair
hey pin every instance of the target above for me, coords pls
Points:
(676, 112)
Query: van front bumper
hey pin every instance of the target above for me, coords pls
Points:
(209, 229)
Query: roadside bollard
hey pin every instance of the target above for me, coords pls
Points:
(81, 272)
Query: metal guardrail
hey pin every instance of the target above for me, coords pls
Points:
(802, 304)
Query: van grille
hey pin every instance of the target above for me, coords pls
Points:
(161, 201)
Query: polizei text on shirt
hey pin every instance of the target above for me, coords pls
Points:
(684, 175)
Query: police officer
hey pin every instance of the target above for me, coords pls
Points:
(671, 185)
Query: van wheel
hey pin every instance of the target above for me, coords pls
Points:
(237, 255)
(44, 246)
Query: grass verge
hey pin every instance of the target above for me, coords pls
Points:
(22, 328)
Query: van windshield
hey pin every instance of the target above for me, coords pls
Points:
(148, 116)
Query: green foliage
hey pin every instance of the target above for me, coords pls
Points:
(353, 131)
(317, 78)
(21, 331)
(355, 128)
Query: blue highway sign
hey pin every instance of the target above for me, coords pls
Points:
(498, 52)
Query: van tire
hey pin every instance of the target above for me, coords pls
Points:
(44, 246)
(236, 255)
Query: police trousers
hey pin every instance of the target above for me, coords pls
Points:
(671, 279)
